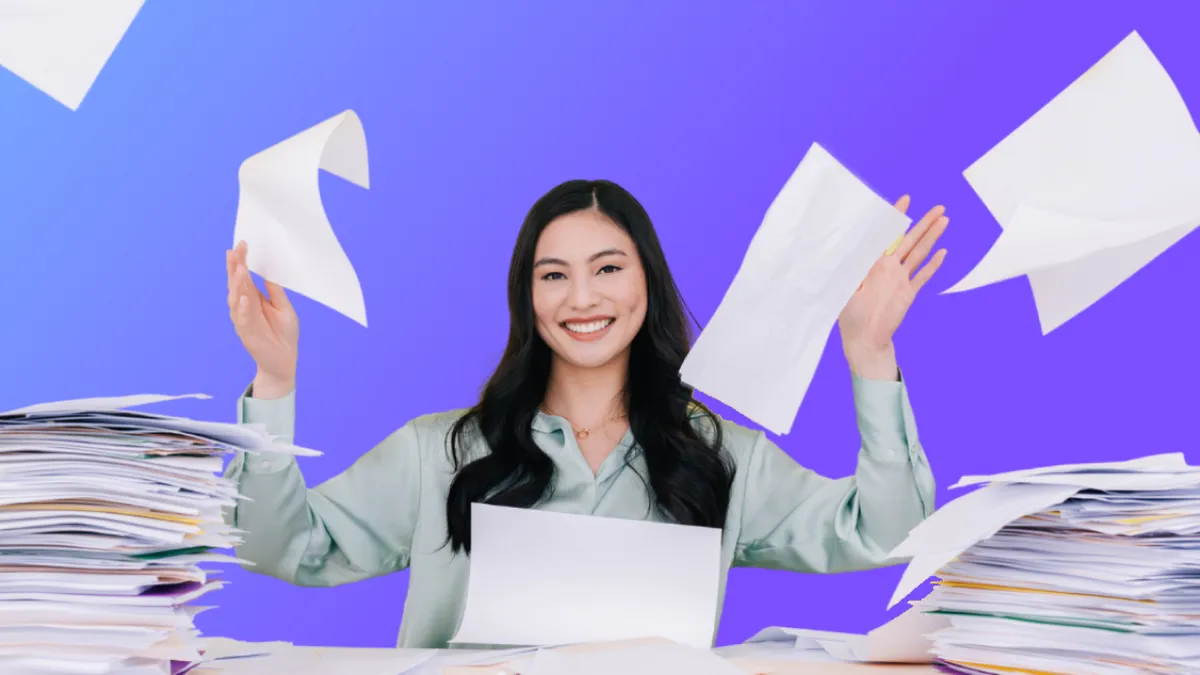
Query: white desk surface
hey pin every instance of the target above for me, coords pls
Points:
(300, 660)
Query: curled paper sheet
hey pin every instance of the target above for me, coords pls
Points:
(1093, 187)
(101, 403)
(60, 46)
(815, 246)
(282, 220)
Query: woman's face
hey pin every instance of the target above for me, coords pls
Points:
(589, 289)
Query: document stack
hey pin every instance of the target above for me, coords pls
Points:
(1074, 569)
(105, 518)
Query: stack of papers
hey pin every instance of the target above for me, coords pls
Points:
(1086, 568)
(105, 518)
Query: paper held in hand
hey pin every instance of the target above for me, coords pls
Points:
(541, 578)
(815, 246)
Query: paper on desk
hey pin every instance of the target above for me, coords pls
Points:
(216, 648)
(813, 249)
(1092, 187)
(60, 46)
(282, 220)
(276, 658)
(546, 578)
(655, 659)
(904, 639)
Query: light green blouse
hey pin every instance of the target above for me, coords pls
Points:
(387, 512)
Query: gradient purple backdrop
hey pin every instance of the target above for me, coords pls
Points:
(116, 218)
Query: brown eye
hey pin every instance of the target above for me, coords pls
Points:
(609, 269)
(550, 276)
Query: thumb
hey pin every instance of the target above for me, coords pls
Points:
(278, 296)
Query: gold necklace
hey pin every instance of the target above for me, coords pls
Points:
(580, 433)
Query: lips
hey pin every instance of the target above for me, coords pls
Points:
(588, 326)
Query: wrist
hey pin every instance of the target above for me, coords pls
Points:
(267, 387)
(872, 362)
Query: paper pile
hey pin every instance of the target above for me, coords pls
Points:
(105, 518)
(1087, 568)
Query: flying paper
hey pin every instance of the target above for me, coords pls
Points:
(282, 220)
(1094, 186)
(60, 46)
(815, 246)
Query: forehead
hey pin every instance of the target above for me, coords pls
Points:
(580, 234)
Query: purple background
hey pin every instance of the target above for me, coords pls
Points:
(116, 218)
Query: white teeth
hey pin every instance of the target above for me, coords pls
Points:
(590, 327)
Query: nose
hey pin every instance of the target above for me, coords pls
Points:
(583, 296)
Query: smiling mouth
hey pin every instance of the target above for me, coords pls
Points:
(587, 327)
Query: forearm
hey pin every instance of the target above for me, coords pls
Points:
(895, 484)
(273, 514)
(893, 497)
(872, 363)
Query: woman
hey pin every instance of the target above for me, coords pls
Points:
(585, 413)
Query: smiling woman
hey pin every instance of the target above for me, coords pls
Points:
(585, 413)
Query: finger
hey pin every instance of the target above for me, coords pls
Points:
(278, 296)
(902, 207)
(243, 317)
(239, 251)
(230, 278)
(246, 287)
(914, 235)
(925, 244)
(246, 319)
(926, 272)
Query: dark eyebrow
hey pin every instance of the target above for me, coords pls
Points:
(593, 258)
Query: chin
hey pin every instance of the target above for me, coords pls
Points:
(588, 360)
(595, 355)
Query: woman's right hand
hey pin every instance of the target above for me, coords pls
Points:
(267, 325)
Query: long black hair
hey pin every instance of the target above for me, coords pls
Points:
(688, 472)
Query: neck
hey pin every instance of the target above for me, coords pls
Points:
(587, 396)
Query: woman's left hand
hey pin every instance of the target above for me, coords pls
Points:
(873, 314)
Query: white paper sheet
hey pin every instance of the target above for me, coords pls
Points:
(545, 578)
(643, 660)
(815, 246)
(60, 46)
(1093, 187)
(1162, 463)
(275, 658)
(903, 639)
(282, 220)
(102, 403)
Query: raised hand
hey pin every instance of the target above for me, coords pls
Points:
(874, 313)
(267, 325)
